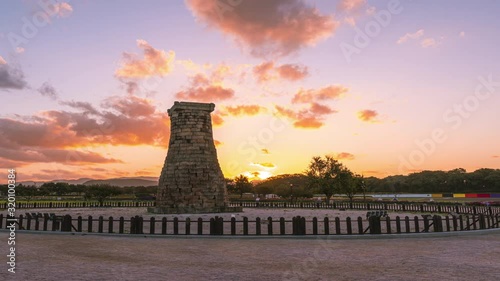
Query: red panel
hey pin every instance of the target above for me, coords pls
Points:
(471, 195)
(483, 195)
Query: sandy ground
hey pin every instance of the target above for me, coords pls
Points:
(68, 257)
(251, 213)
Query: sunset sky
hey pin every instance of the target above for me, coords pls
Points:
(387, 87)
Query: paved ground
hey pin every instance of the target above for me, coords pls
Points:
(68, 257)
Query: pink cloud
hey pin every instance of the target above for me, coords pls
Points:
(277, 27)
(154, 63)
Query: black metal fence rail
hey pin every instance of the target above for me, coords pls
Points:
(258, 226)
(388, 206)
(397, 207)
(82, 204)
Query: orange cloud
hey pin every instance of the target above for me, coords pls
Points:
(52, 136)
(155, 62)
(245, 110)
(326, 93)
(201, 89)
(278, 27)
(217, 119)
(2, 61)
(265, 165)
(206, 94)
(368, 115)
(344, 156)
(43, 155)
(311, 118)
(218, 143)
(267, 71)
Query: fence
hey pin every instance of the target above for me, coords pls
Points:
(82, 204)
(393, 206)
(218, 226)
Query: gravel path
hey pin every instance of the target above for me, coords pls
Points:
(67, 257)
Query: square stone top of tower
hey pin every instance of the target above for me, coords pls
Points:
(197, 106)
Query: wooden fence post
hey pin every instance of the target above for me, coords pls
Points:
(200, 226)
(152, 225)
(337, 225)
(233, 226)
(388, 224)
(245, 226)
(398, 224)
(348, 224)
(176, 225)
(188, 226)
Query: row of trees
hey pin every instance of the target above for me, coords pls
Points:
(98, 192)
(324, 176)
(454, 181)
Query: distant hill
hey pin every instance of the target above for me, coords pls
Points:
(78, 181)
(121, 182)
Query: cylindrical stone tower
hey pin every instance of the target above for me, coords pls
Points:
(191, 180)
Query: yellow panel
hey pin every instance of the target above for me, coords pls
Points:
(459, 195)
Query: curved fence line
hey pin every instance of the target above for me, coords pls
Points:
(388, 206)
(298, 225)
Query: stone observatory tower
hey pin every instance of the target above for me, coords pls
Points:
(191, 180)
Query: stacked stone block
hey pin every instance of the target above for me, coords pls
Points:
(191, 180)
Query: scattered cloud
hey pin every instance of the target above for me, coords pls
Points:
(344, 156)
(203, 90)
(350, 5)
(419, 33)
(462, 34)
(86, 126)
(428, 42)
(311, 118)
(268, 71)
(265, 165)
(265, 151)
(496, 156)
(218, 143)
(44, 155)
(278, 27)
(368, 115)
(11, 77)
(206, 94)
(62, 9)
(20, 50)
(240, 110)
(154, 63)
(217, 119)
(326, 93)
(47, 90)
(371, 10)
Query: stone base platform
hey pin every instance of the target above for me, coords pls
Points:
(189, 210)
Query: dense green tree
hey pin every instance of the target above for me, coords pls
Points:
(324, 175)
(242, 185)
